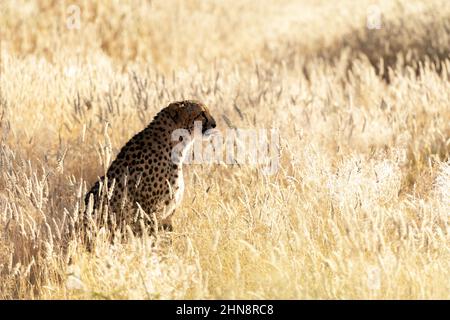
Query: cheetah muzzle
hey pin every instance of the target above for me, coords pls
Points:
(144, 185)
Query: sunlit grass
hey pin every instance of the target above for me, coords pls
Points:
(359, 207)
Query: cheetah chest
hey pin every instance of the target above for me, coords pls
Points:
(175, 197)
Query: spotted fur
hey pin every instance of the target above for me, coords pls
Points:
(143, 185)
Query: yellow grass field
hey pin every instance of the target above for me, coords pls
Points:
(360, 205)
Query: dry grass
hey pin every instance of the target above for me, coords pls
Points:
(359, 208)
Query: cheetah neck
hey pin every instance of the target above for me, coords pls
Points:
(161, 129)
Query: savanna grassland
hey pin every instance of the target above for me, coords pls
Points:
(359, 207)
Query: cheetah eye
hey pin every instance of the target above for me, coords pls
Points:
(180, 139)
(199, 115)
(203, 115)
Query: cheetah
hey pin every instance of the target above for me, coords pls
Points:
(144, 184)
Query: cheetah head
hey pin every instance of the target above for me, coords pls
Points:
(186, 113)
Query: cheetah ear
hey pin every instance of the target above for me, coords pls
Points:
(174, 115)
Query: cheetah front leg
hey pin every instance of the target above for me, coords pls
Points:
(166, 224)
